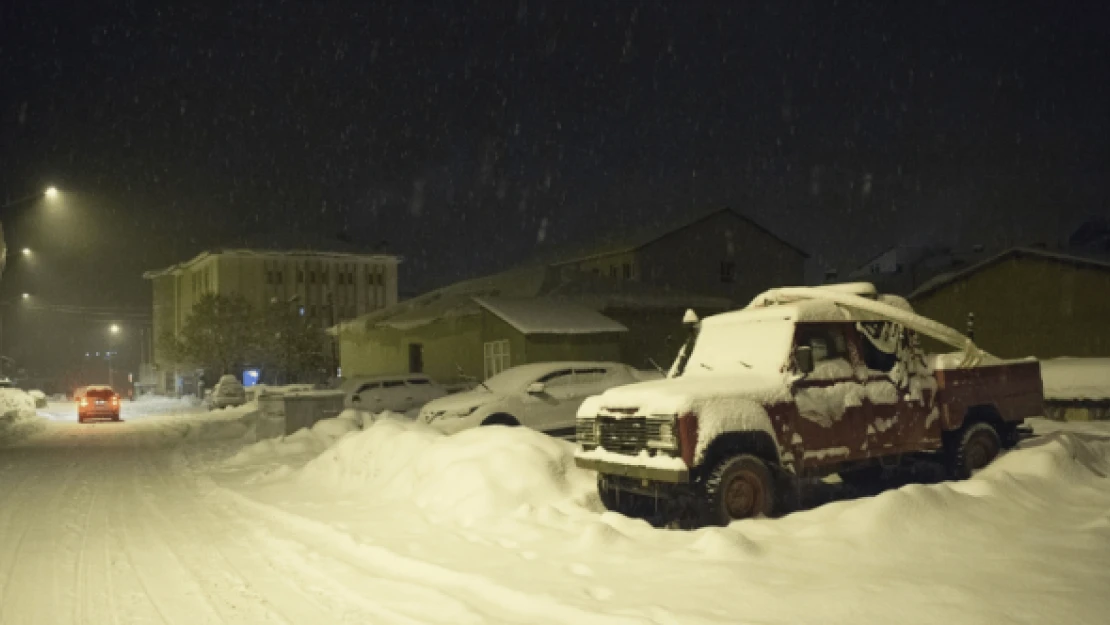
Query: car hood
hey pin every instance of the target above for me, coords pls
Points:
(679, 395)
(460, 402)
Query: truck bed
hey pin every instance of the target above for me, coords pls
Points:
(1014, 389)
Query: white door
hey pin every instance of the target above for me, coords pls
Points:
(395, 395)
(544, 411)
(564, 391)
(369, 397)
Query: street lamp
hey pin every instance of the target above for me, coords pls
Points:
(26, 296)
(26, 251)
(51, 192)
(114, 328)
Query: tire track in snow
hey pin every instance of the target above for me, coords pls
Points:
(30, 591)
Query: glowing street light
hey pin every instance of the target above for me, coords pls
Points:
(26, 251)
(51, 192)
(114, 328)
(26, 296)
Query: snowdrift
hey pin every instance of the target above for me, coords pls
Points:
(17, 415)
(306, 441)
(475, 474)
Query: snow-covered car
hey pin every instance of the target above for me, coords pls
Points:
(543, 396)
(398, 393)
(6, 382)
(228, 392)
(97, 402)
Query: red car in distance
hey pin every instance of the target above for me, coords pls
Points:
(97, 402)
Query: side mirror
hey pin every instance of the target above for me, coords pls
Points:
(535, 388)
(803, 357)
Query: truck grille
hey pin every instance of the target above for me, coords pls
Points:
(629, 435)
(623, 436)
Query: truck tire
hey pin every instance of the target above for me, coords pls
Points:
(739, 487)
(975, 446)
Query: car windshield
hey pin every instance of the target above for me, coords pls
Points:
(515, 379)
(736, 345)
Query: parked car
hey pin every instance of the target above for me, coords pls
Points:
(399, 393)
(228, 392)
(804, 382)
(97, 402)
(543, 396)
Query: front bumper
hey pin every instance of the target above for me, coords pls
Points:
(652, 474)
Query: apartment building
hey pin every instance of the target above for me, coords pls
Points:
(329, 287)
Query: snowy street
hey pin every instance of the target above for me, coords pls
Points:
(181, 519)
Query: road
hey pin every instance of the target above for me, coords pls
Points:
(143, 522)
(103, 524)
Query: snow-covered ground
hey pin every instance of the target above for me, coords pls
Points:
(184, 518)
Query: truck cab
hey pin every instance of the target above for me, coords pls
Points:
(798, 386)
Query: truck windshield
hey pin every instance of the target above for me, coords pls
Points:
(736, 346)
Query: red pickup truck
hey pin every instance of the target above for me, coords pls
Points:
(803, 382)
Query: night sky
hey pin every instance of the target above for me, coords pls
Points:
(470, 139)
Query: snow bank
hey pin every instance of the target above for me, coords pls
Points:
(17, 415)
(304, 442)
(1076, 378)
(475, 474)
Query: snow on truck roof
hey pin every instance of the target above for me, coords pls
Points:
(779, 304)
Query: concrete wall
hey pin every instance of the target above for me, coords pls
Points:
(1029, 306)
(551, 347)
(690, 259)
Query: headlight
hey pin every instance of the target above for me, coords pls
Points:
(661, 434)
(587, 431)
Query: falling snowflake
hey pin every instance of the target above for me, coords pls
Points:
(542, 234)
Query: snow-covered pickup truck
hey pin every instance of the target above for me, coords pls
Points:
(803, 382)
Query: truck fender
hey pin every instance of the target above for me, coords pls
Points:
(727, 416)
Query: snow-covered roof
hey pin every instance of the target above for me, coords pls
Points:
(548, 316)
(945, 279)
(179, 267)
(580, 288)
(774, 304)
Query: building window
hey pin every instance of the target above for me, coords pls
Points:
(495, 357)
(626, 271)
(300, 276)
(612, 271)
(280, 275)
(312, 277)
(351, 278)
(728, 271)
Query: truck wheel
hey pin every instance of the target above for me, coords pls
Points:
(739, 487)
(976, 447)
